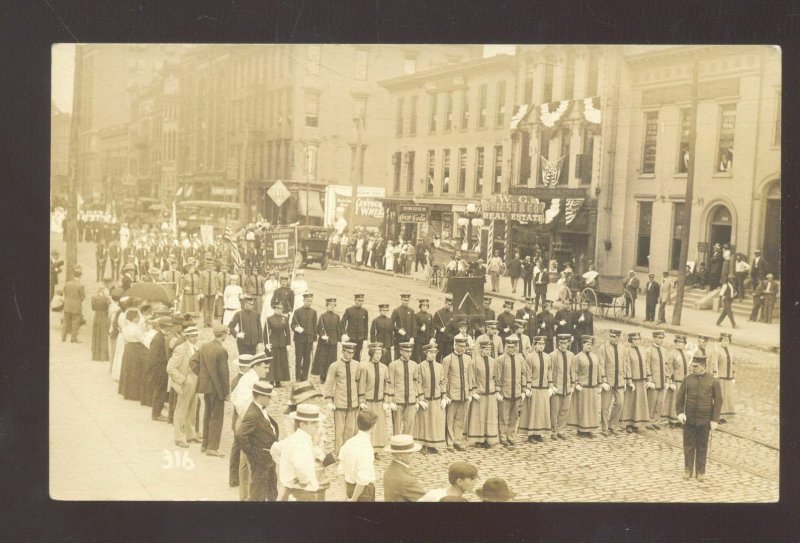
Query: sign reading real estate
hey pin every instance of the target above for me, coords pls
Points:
(513, 207)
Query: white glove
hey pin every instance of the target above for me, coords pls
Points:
(385, 406)
(671, 386)
(422, 404)
(393, 406)
(476, 397)
(298, 329)
(578, 387)
(422, 328)
(268, 346)
(528, 393)
(714, 425)
(651, 386)
(541, 325)
(581, 319)
(632, 386)
(605, 386)
(682, 418)
(402, 332)
(562, 322)
(499, 397)
(324, 338)
(411, 340)
(441, 330)
(506, 329)
(345, 337)
(443, 402)
(362, 406)
(240, 335)
(332, 407)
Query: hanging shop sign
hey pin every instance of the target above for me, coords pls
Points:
(506, 207)
(412, 213)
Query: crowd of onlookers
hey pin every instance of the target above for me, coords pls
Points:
(369, 249)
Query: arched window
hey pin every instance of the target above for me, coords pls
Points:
(721, 215)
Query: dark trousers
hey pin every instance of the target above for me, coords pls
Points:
(630, 306)
(244, 348)
(233, 464)
(359, 346)
(367, 495)
(52, 289)
(541, 296)
(72, 323)
(173, 401)
(212, 421)
(695, 447)
(740, 276)
(727, 311)
(263, 483)
(101, 269)
(769, 306)
(115, 266)
(757, 303)
(159, 398)
(302, 360)
(527, 283)
(650, 311)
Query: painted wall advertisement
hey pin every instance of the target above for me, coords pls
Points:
(369, 206)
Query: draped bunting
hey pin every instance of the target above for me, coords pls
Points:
(551, 113)
(591, 109)
(522, 112)
(572, 207)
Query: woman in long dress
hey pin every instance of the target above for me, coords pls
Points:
(100, 305)
(389, 256)
(231, 300)
(360, 250)
(133, 357)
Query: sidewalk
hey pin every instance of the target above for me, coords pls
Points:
(756, 335)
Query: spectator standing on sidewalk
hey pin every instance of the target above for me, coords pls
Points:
(515, 271)
(758, 300)
(652, 290)
(770, 294)
(357, 462)
(741, 270)
(210, 364)
(495, 269)
(664, 295)
(758, 270)
(411, 257)
(725, 371)
(631, 285)
(726, 294)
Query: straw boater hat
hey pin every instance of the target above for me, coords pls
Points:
(263, 388)
(402, 443)
(245, 361)
(307, 412)
(302, 392)
(191, 331)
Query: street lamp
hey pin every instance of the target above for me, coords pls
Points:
(468, 220)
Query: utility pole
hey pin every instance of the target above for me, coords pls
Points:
(357, 180)
(687, 206)
(71, 224)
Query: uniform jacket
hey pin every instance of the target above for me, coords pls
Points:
(540, 370)
(678, 365)
(563, 378)
(328, 325)
(306, 317)
(373, 382)
(700, 398)
(342, 384)
(658, 366)
(489, 314)
(544, 325)
(179, 370)
(285, 296)
(511, 375)
(403, 387)
(505, 321)
(424, 328)
(565, 315)
(637, 364)
(529, 315)
(210, 364)
(403, 319)
(589, 370)
(429, 375)
(484, 370)
(441, 319)
(74, 295)
(497, 344)
(209, 283)
(585, 328)
(614, 367)
(277, 331)
(355, 323)
(457, 380)
(724, 367)
(190, 283)
(400, 485)
(381, 330)
(256, 434)
(248, 322)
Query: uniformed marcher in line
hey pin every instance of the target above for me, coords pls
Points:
(462, 331)
(402, 391)
(441, 323)
(725, 371)
(545, 326)
(525, 346)
(190, 288)
(699, 404)
(429, 422)
(328, 344)
(564, 377)
(423, 322)
(528, 315)
(512, 386)
(284, 295)
(482, 426)
(678, 368)
(590, 374)
(562, 321)
(613, 360)
(246, 327)
(495, 342)
(342, 393)
(382, 331)
(657, 357)
(635, 409)
(488, 312)
(373, 384)
(582, 325)
(405, 327)
(456, 386)
(304, 325)
(277, 338)
(535, 419)
(354, 326)
(506, 322)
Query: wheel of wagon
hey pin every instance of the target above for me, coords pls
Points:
(589, 296)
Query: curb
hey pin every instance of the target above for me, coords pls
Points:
(666, 327)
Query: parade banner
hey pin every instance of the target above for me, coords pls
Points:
(207, 234)
(280, 247)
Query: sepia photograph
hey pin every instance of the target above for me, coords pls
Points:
(415, 273)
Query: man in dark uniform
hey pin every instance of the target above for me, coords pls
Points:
(528, 314)
(506, 322)
(699, 403)
(278, 338)
(284, 295)
(405, 327)
(115, 258)
(249, 333)
(355, 325)
(582, 325)
(381, 330)
(304, 324)
(441, 320)
(328, 333)
(562, 321)
(488, 312)
(544, 325)
(423, 321)
(652, 291)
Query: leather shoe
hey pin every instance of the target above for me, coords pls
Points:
(215, 453)
(194, 440)
(629, 429)
(458, 447)
(562, 436)
(433, 450)
(700, 477)
(687, 476)
(160, 418)
(182, 444)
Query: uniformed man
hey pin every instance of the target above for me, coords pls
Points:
(505, 321)
(535, 419)
(699, 405)
(423, 323)
(403, 391)
(562, 321)
(495, 343)
(582, 325)
(381, 331)
(284, 295)
(590, 374)
(528, 315)
(355, 325)
(525, 347)
(725, 371)
(405, 328)
(678, 368)
(327, 346)
(373, 384)
(545, 326)
(564, 377)
(635, 410)
(456, 387)
(342, 393)
(512, 386)
(488, 312)
(429, 423)
(613, 360)
(278, 337)
(661, 379)
(482, 413)
(101, 257)
(190, 288)
(441, 323)
(304, 325)
(245, 326)
(210, 289)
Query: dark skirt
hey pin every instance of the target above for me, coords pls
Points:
(131, 371)
(100, 336)
(279, 368)
(324, 356)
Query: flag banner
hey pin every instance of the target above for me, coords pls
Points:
(553, 211)
(552, 113)
(522, 112)
(551, 171)
(573, 205)
(591, 109)
(228, 237)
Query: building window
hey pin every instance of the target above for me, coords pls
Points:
(482, 106)
(478, 170)
(464, 109)
(434, 98)
(777, 140)
(727, 126)
(360, 110)
(446, 171)
(462, 170)
(593, 74)
(683, 147)
(650, 139)
(584, 161)
(431, 170)
(498, 169)
(410, 64)
(500, 113)
(643, 239)
(412, 125)
(547, 95)
(311, 162)
(361, 64)
(314, 52)
(677, 235)
(399, 126)
(312, 109)
(397, 164)
(448, 120)
(410, 172)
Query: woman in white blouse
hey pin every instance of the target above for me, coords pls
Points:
(231, 300)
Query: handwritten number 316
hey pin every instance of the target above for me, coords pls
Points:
(176, 460)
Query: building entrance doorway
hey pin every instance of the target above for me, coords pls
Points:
(771, 249)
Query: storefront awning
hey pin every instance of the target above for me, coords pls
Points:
(308, 202)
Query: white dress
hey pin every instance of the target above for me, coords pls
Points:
(270, 286)
(129, 332)
(231, 303)
(360, 250)
(389, 255)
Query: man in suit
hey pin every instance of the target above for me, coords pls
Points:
(74, 295)
(664, 295)
(758, 270)
(354, 325)
(55, 270)
(115, 258)
(381, 330)
(441, 322)
(399, 483)
(652, 291)
(209, 290)
(101, 258)
(248, 322)
(403, 323)
(210, 364)
(506, 322)
(184, 382)
(515, 271)
(304, 325)
(726, 295)
(758, 300)
(582, 325)
(699, 404)
(770, 294)
(255, 436)
(158, 357)
(631, 285)
(540, 281)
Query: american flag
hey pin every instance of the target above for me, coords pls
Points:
(228, 237)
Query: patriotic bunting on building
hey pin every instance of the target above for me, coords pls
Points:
(591, 109)
(553, 211)
(573, 205)
(522, 111)
(551, 113)
(551, 171)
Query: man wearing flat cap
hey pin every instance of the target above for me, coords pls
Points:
(678, 368)
(657, 358)
(699, 404)
(511, 375)
(562, 360)
(284, 295)
(404, 324)
(652, 291)
(456, 386)
(74, 295)
(343, 395)
(613, 361)
(402, 391)
(245, 326)
(382, 331)
(304, 326)
(354, 325)
(506, 321)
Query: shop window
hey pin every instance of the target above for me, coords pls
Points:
(410, 171)
(498, 169)
(434, 99)
(650, 140)
(448, 120)
(314, 52)
(478, 170)
(462, 170)
(399, 126)
(677, 236)
(683, 147)
(500, 113)
(482, 106)
(727, 126)
(643, 234)
(412, 124)
(464, 109)
(397, 164)
(312, 109)
(446, 171)
(431, 170)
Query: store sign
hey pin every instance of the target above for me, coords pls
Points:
(506, 207)
(224, 191)
(412, 213)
